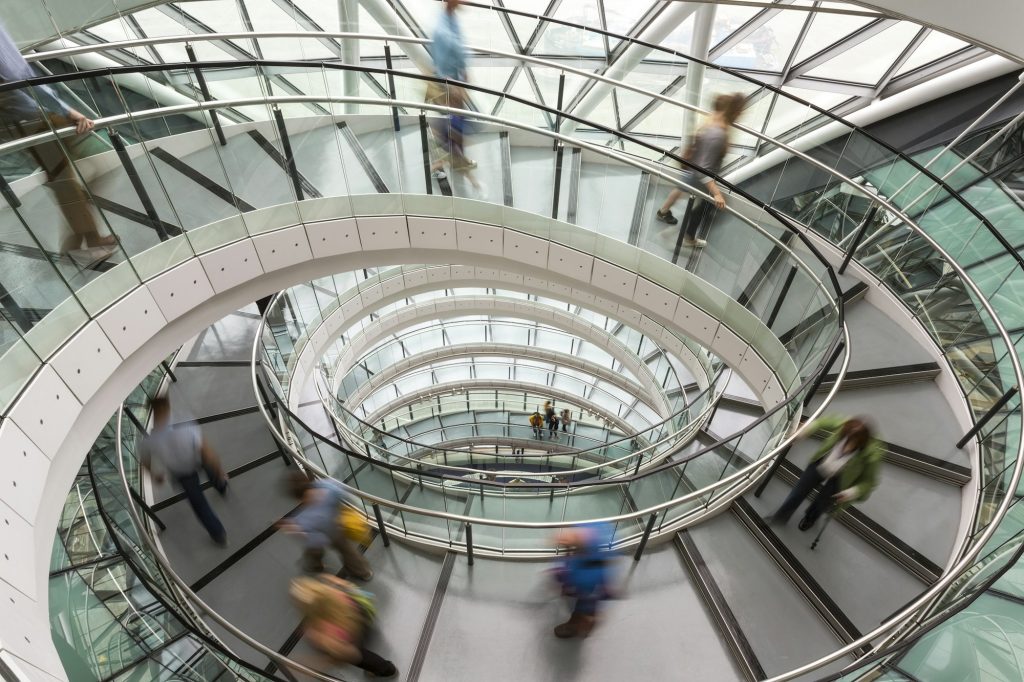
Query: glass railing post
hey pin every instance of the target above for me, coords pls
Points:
(469, 543)
(289, 157)
(391, 87)
(782, 296)
(868, 219)
(205, 90)
(647, 534)
(380, 525)
(425, 147)
(140, 189)
(558, 107)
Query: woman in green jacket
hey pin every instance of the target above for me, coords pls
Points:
(846, 465)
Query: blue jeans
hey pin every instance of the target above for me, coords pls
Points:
(802, 489)
(204, 512)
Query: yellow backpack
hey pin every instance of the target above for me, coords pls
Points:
(354, 525)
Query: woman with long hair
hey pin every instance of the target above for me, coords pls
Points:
(706, 152)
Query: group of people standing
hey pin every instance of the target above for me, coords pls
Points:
(551, 419)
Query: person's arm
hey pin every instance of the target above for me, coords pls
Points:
(868, 481)
(210, 459)
(715, 193)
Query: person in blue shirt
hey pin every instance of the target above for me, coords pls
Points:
(585, 574)
(26, 112)
(449, 54)
(317, 522)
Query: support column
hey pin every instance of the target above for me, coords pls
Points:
(348, 21)
(700, 47)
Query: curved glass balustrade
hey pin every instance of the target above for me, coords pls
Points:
(900, 249)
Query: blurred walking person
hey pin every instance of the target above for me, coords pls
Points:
(448, 50)
(182, 451)
(336, 619)
(30, 111)
(585, 575)
(706, 152)
(321, 522)
(846, 465)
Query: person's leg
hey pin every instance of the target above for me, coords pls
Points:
(351, 558)
(72, 199)
(581, 622)
(800, 491)
(694, 219)
(822, 503)
(194, 494)
(665, 212)
(375, 664)
(313, 560)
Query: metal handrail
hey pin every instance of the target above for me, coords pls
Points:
(915, 606)
(713, 384)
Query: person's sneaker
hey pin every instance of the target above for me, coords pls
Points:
(366, 577)
(695, 243)
(805, 524)
(438, 174)
(667, 217)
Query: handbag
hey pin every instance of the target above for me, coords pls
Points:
(354, 525)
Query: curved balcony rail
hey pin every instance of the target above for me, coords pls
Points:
(401, 412)
(505, 338)
(928, 237)
(365, 436)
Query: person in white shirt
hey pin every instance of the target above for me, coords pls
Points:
(182, 452)
(846, 465)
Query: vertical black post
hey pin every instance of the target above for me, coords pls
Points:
(13, 310)
(988, 415)
(868, 217)
(380, 525)
(426, 152)
(267, 403)
(782, 297)
(558, 179)
(682, 228)
(170, 373)
(558, 112)
(146, 510)
(647, 535)
(289, 159)
(201, 79)
(140, 189)
(469, 542)
(12, 198)
(391, 86)
(810, 394)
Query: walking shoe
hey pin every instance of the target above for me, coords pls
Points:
(695, 243)
(366, 577)
(384, 673)
(805, 524)
(438, 174)
(667, 217)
